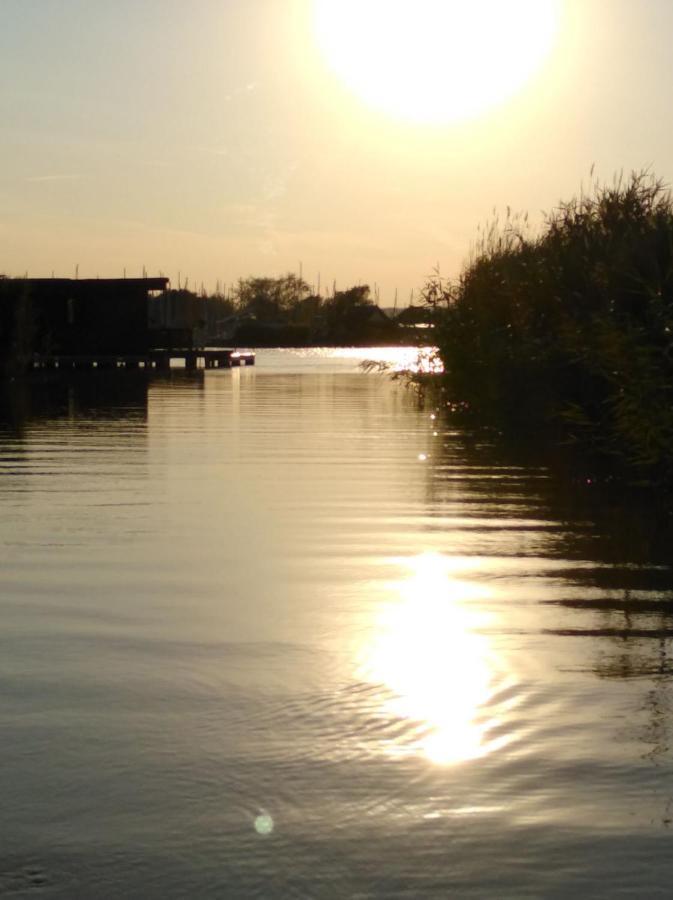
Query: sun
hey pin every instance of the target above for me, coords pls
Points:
(435, 61)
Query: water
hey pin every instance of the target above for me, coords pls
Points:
(279, 632)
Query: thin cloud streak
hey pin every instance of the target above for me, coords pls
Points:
(33, 179)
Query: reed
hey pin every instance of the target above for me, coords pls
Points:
(570, 330)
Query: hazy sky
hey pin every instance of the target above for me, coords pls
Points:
(215, 138)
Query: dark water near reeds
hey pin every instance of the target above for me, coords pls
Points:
(279, 633)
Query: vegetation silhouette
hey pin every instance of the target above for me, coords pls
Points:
(570, 331)
(284, 311)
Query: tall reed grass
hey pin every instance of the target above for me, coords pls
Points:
(570, 330)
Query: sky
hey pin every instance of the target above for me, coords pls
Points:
(210, 140)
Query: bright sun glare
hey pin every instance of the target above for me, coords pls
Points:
(435, 61)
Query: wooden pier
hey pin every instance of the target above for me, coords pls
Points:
(154, 359)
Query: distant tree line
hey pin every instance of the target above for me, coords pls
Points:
(570, 331)
(283, 311)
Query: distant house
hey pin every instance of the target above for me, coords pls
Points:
(368, 322)
(176, 318)
(181, 318)
(374, 315)
(349, 318)
(415, 315)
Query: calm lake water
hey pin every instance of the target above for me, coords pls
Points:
(281, 632)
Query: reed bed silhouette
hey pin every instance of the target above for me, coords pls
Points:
(569, 331)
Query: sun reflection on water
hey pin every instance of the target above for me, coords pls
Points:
(415, 360)
(439, 666)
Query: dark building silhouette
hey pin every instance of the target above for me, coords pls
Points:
(75, 316)
(415, 315)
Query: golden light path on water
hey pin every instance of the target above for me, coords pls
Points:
(395, 359)
(431, 654)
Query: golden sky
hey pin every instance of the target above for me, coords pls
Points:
(368, 141)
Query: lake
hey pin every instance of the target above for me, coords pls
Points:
(286, 631)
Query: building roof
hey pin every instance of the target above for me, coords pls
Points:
(150, 284)
(415, 315)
